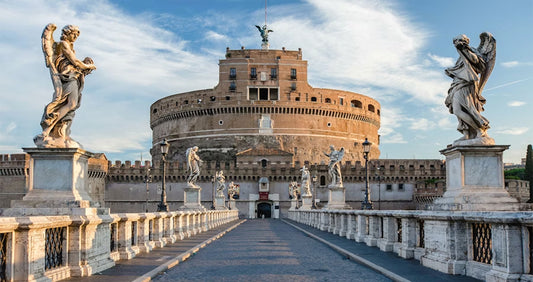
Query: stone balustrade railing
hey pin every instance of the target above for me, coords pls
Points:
(57, 247)
(492, 246)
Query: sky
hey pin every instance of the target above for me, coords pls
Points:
(393, 51)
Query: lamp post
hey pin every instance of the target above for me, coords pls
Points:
(163, 207)
(213, 192)
(147, 179)
(366, 204)
(314, 179)
(378, 175)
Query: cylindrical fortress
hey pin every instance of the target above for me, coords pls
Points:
(263, 100)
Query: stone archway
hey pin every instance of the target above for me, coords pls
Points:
(264, 208)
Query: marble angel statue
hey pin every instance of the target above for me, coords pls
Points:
(68, 76)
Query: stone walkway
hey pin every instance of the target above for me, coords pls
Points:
(268, 250)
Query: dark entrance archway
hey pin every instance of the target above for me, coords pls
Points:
(264, 209)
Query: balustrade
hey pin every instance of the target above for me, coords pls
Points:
(59, 250)
(496, 246)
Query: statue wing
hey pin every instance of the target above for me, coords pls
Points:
(50, 54)
(48, 44)
(258, 27)
(487, 49)
(188, 157)
(341, 153)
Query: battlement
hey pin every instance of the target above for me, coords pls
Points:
(391, 170)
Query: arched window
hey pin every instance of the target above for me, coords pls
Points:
(313, 99)
(328, 100)
(264, 163)
(371, 108)
(356, 104)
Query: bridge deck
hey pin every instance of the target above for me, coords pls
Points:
(268, 250)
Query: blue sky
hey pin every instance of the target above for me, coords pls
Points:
(393, 51)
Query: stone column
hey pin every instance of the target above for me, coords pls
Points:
(361, 228)
(408, 245)
(386, 243)
(507, 261)
(373, 231)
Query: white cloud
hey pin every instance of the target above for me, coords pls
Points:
(215, 36)
(510, 64)
(395, 138)
(442, 61)
(516, 103)
(512, 131)
(422, 124)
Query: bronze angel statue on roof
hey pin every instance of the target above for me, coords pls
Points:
(68, 75)
(264, 35)
(464, 99)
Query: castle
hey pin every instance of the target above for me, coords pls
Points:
(263, 100)
(260, 125)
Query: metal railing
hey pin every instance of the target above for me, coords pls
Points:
(3, 256)
(482, 242)
(54, 247)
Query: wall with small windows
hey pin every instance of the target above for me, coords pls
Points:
(303, 120)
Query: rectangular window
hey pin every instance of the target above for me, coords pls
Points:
(232, 73)
(274, 94)
(389, 187)
(232, 86)
(253, 73)
(293, 73)
(400, 187)
(263, 93)
(341, 101)
(252, 94)
(273, 74)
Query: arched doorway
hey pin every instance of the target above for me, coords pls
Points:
(264, 209)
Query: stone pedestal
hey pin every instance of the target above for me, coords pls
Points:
(475, 180)
(294, 204)
(220, 203)
(192, 199)
(232, 205)
(307, 202)
(58, 183)
(336, 199)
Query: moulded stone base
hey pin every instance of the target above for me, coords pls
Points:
(336, 199)
(294, 204)
(443, 264)
(192, 199)
(499, 276)
(307, 202)
(220, 203)
(474, 180)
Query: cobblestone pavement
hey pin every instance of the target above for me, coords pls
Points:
(268, 250)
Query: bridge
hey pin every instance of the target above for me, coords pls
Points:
(309, 245)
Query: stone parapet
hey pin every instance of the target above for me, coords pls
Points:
(491, 246)
(84, 245)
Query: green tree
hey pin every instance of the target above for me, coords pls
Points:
(528, 172)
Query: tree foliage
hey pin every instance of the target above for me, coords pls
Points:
(515, 173)
(528, 171)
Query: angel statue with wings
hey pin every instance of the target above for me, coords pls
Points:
(68, 75)
(464, 99)
(264, 35)
(334, 167)
(193, 165)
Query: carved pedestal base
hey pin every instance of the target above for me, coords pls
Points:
(58, 183)
(336, 199)
(294, 204)
(474, 180)
(220, 203)
(192, 199)
(307, 202)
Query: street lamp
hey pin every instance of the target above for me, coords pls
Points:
(366, 204)
(147, 179)
(163, 207)
(213, 194)
(314, 179)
